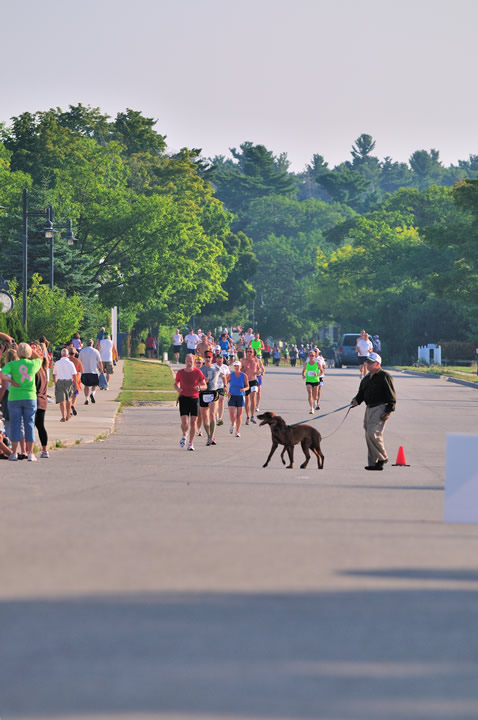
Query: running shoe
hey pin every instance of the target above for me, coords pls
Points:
(45, 454)
(208, 442)
(231, 429)
(182, 442)
(32, 457)
(311, 412)
(247, 421)
(92, 397)
(257, 408)
(86, 402)
(213, 441)
(199, 433)
(238, 434)
(220, 422)
(253, 420)
(13, 456)
(73, 410)
(190, 446)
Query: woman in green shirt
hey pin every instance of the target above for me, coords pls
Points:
(22, 396)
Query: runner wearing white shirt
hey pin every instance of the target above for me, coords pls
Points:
(363, 347)
(177, 341)
(192, 341)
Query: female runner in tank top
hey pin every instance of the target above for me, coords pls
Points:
(313, 372)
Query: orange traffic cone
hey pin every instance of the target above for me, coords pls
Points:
(401, 458)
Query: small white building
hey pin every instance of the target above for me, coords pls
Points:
(430, 354)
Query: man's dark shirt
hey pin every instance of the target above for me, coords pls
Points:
(377, 389)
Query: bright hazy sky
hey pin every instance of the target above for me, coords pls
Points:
(299, 76)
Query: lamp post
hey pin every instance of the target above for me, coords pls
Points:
(49, 233)
(26, 215)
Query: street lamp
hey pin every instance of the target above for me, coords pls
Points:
(49, 233)
(26, 215)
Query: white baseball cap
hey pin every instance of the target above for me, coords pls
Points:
(374, 357)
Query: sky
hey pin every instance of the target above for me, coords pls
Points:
(298, 76)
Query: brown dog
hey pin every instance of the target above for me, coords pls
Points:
(290, 435)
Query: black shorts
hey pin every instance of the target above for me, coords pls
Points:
(176, 348)
(90, 379)
(362, 359)
(252, 383)
(221, 392)
(188, 406)
(190, 351)
(207, 393)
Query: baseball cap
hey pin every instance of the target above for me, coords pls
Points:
(237, 362)
(374, 357)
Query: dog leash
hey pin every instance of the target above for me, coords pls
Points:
(318, 417)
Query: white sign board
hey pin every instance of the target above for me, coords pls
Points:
(461, 480)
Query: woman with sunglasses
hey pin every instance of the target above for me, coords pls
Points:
(238, 385)
(313, 372)
(208, 398)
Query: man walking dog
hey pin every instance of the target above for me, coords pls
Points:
(377, 391)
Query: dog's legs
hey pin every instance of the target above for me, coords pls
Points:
(290, 452)
(320, 457)
(282, 454)
(305, 448)
(273, 449)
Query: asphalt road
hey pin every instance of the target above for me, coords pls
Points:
(142, 581)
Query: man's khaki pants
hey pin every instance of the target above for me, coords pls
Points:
(374, 428)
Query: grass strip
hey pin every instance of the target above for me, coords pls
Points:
(454, 372)
(141, 375)
(128, 398)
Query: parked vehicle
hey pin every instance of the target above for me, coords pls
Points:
(346, 354)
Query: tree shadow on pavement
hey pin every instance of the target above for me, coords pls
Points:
(358, 655)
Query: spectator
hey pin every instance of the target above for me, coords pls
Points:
(91, 360)
(150, 345)
(108, 354)
(79, 370)
(41, 385)
(76, 342)
(22, 400)
(141, 348)
(64, 376)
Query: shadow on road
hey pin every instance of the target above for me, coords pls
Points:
(341, 655)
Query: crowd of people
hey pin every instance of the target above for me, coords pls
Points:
(29, 372)
(224, 369)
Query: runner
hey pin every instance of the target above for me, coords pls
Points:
(251, 366)
(188, 383)
(260, 380)
(238, 385)
(192, 341)
(208, 398)
(257, 344)
(312, 372)
(224, 344)
(222, 381)
(177, 341)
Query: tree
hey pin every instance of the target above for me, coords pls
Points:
(427, 167)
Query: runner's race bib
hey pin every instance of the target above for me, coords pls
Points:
(311, 373)
(209, 397)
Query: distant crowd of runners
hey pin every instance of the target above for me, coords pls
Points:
(216, 370)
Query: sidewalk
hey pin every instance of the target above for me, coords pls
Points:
(92, 419)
